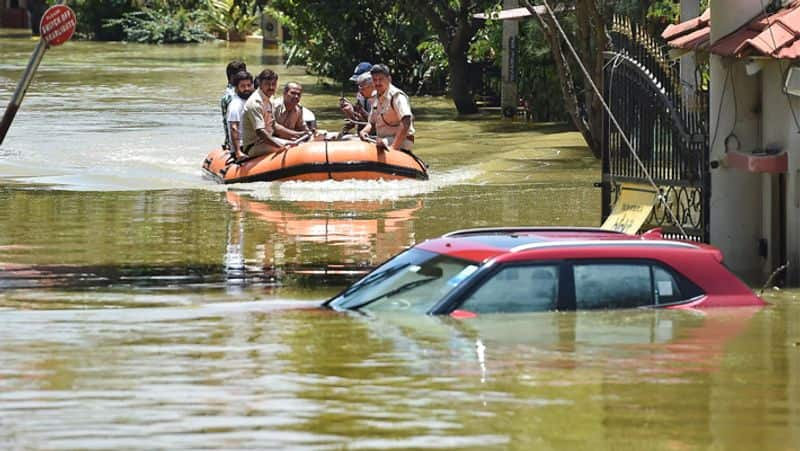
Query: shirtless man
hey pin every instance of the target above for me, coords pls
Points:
(289, 123)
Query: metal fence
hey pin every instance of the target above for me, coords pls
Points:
(666, 120)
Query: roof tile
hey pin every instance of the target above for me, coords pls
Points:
(776, 35)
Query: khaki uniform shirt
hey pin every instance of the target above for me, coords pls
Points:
(258, 113)
(387, 112)
(291, 119)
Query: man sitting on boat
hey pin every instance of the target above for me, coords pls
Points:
(243, 88)
(233, 68)
(391, 114)
(289, 123)
(258, 120)
(359, 112)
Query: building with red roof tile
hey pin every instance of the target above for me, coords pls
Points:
(770, 34)
(753, 51)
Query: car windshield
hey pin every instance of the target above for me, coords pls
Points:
(412, 281)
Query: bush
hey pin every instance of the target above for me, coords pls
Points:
(94, 14)
(160, 26)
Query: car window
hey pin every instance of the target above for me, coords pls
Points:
(612, 285)
(667, 290)
(412, 281)
(516, 289)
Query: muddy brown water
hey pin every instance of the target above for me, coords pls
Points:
(146, 307)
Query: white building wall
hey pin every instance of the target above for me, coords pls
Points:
(736, 196)
(781, 131)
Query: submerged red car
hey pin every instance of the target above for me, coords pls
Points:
(531, 269)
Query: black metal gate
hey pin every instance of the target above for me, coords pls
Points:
(667, 125)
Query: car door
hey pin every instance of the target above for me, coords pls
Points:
(628, 283)
(515, 288)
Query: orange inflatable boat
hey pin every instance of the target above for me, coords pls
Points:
(318, 160)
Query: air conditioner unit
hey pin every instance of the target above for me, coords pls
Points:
(792, 86)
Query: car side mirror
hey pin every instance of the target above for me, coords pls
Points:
(463, 314)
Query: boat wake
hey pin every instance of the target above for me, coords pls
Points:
(352, 190)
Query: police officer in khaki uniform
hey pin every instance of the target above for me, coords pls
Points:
(391, 115)
(258, 120)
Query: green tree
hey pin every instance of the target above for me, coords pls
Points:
(92, 16)
(232, 19)
(332, 36)
(589, 37)
(455, 26)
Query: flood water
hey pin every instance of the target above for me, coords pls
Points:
(146, 307)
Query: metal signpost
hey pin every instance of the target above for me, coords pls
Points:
(57, 26)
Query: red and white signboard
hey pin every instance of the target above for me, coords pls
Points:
(57, 25)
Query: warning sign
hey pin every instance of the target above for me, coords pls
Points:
(57, 25)
(632, 209)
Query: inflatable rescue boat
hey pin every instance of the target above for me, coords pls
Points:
(318, 160)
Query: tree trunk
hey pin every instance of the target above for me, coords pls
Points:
(456, 43)
(459, 82)
(585, 110)
(596, 65)
(570, 96)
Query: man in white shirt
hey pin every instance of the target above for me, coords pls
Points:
(233, 68)
(243, 88)
(391, 115)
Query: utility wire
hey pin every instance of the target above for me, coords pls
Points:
(613, 118)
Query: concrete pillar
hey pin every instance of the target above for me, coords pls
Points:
(508, 89)
(271, 31)
(736, 196)
(689, 9)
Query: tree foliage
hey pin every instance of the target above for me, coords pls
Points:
(92, 16)
(332, 36)
(160, 26)
(232, 19)
(160, 21)
(454, 23)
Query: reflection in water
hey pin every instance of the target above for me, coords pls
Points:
(249, 375)
(327, 242)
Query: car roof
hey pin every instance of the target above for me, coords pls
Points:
(480, 244)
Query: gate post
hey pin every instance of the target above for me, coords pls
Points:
(508, 90)
(689, 10)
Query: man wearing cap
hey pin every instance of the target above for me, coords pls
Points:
(391, 115)
(359, 113)
(360, 110)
